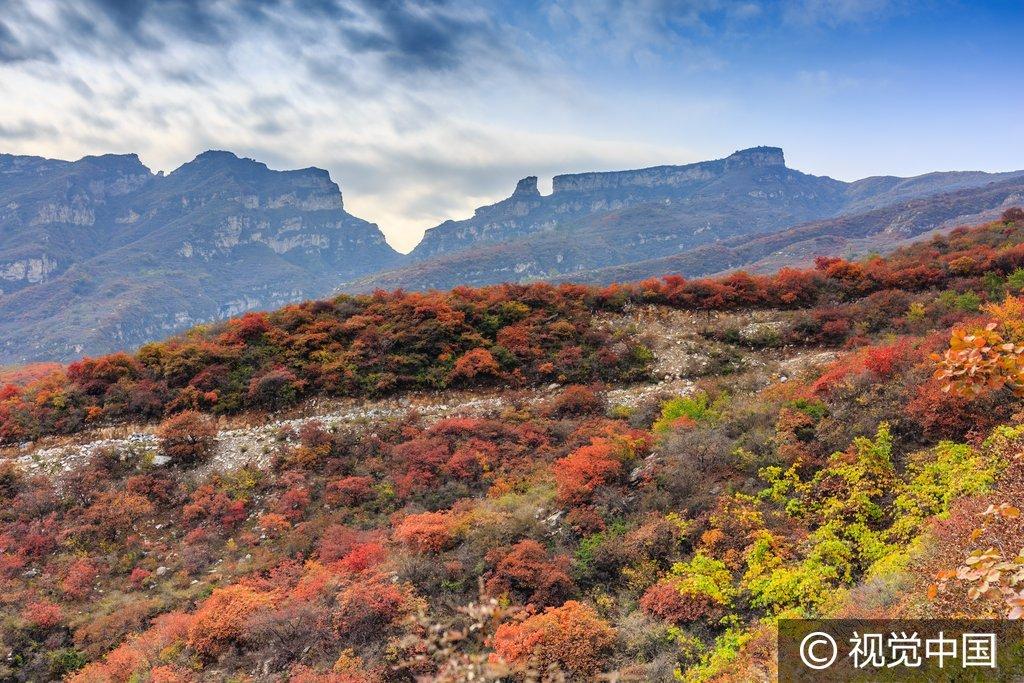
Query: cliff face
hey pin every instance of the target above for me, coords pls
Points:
(694, 219)
(100, 253)
(745, 184)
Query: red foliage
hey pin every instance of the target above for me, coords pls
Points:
(79, 579)
(212, 507)
(581, 472)
(428, 532)
(575, 400)
(188, 437)
(527, 572)
(42, 614)
(946, 415)
(664, 600)
(274, 389)
(368, 606)
(348, 491)
(889, 359)
(572, 637)
(473, 364)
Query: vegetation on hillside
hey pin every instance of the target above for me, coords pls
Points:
(564, 538)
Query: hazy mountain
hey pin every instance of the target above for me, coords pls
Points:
(596, 221)
(101, 254)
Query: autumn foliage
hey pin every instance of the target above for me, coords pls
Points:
(572, 637)
(187, 438)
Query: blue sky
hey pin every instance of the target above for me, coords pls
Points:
(425, 109)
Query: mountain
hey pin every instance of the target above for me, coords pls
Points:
(580, 260)
(596, 221)
(101, 254)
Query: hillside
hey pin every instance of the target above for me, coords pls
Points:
(100, 254)
(524, 482)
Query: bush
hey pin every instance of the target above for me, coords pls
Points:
(528, 573)
(572, 637)
(575, 400)
(428, 532)
(686, 411)
(473, 365)
(219, 622)
(188, 438)
(668, 601)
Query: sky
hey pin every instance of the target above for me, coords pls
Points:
(423, 110)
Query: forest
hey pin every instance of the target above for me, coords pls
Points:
(566, 537)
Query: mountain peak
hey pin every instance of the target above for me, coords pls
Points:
(527, 187)
(757, 156)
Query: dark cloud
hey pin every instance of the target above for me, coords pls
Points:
(13, 49)
(191, 19)
(408, 35)
(25, 130)
(414, 36)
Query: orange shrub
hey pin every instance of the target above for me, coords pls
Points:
(42, 614)
(578, 474)
(429, 532)
(572, 637)
(220, 619)
(473, 364)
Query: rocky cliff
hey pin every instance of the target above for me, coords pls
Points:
(101, 254)
(696, 219)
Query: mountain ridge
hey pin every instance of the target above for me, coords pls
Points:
(101, 253)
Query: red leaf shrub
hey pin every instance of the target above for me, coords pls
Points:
(527, 572)
(666, 601)
(348, 491)
(187, 438)
(42, 614)
(79, 579)
(572, 637)
(575, 400)
(428, 532)
(474, 364)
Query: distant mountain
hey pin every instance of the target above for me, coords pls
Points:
(101, 254)
(596, 221)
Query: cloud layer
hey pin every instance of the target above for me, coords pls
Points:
(421, 109)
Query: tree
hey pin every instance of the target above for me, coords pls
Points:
(188, 438)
